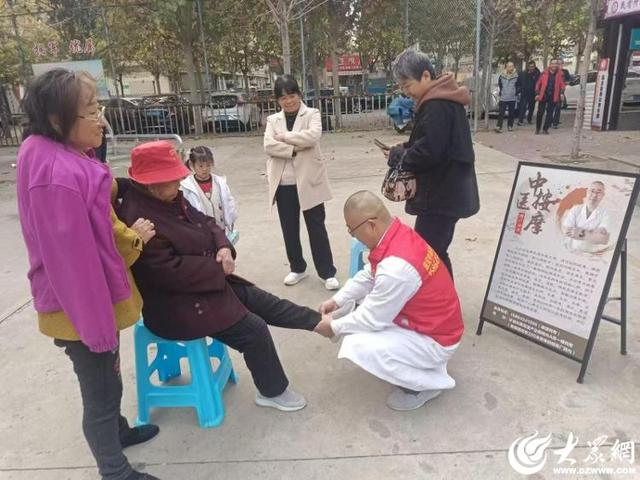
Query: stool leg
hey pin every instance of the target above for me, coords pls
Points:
(209, 404)
(143, 383)
(169, 365)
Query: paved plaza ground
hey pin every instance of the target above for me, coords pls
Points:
(506, 387)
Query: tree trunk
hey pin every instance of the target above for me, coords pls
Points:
(245, 78)
(336, 84)
(199, 82)
(121, 84)
(286, 47)
(584, 68)
(156, 77)
(193, 87)
(364, 63)
(487, 88)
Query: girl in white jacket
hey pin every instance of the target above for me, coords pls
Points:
(207, 192)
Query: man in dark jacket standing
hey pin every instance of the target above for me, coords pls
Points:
(549, 89)
(528, 80)
(439, 151)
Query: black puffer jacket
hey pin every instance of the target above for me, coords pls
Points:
(440, 152)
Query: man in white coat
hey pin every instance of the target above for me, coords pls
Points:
(587, 227)
(409, 323)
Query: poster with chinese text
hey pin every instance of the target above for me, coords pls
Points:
(557, 254)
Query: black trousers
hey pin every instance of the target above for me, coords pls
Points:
(511, 106)
(437, 230)
(549, 107)
(251, 335)
(289, 212)
(556, 113)
(527, 106)
(101, 389)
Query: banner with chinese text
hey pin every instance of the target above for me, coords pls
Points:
(92, 67)
(557, 253)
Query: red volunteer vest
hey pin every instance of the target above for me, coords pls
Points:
(435, 308)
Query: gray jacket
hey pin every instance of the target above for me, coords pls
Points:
(509, 86)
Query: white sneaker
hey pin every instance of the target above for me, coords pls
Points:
(287, 401)
(292, 278)
(405, 401)
(332, 283)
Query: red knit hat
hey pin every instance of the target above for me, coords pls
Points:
(156, 162)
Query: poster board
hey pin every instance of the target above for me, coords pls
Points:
(561, 239)
(93, 67)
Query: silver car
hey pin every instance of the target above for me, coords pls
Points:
(231, 111)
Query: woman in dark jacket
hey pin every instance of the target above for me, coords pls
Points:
(439, 152)
(185, 276)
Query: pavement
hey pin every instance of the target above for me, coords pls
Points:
(506, 387)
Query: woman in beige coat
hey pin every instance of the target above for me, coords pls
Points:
(298, 180)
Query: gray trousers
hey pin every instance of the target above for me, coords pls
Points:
(101, 389)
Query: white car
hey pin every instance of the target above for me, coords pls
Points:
(630, 93)
(231, 111)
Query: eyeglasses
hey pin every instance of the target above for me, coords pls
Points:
(351, 230)
(97, 117)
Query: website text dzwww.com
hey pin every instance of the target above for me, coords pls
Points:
(594, 470)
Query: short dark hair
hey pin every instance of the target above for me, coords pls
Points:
(411, 64)
(56, 92)
(531, 62)
(200, 153)
(286, 85)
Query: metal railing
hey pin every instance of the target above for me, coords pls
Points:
(11, 130)
(339, 113)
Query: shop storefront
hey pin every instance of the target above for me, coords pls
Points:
(617, 96)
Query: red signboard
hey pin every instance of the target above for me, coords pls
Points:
(346, 63)
(600, 93)
(619, 8)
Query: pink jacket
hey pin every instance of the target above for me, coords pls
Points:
(64, 208)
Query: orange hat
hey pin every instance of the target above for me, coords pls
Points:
(156, 162)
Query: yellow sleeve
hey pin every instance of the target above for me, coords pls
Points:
(128, 243)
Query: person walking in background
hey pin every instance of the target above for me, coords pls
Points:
(566, 78)
(528, 80)
(548, 90)
(509, 86)
(298, 180)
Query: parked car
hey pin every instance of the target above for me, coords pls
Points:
(168, 114)
(231, 111)
(326, 101)
(494, 99)
(124, 114)
(630, 91)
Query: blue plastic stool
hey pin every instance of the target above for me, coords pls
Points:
(356, 257)
(205, 390)
(233, 236)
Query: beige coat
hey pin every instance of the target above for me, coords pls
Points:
(312, 179)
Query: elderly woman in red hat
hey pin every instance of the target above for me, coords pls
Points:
(185, 275)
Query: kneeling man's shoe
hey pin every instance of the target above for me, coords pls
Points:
(287, 401)
(405, 400)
